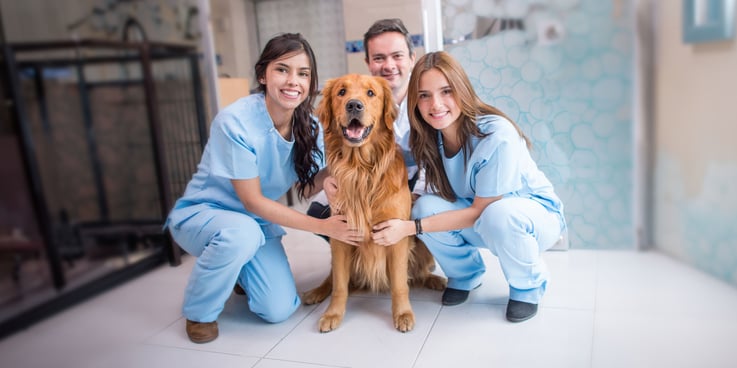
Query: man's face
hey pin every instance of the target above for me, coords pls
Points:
(389, 57)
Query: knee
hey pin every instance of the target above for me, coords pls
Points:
(504, 217)
(428, 205)
(237, 242)
(492, 223)
(275, 311)
(501, 228)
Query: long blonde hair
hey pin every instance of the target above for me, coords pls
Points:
(424, 140)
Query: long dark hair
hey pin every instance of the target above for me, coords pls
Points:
(305, 130)
(423, 138)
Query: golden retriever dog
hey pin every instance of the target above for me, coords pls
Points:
(357, 113)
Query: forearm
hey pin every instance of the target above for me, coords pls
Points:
(455, 219)
(249, 193)
(391, 231)
(278, 213)
(447, 221)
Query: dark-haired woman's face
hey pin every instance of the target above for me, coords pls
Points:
(435, 100)
(287, 81)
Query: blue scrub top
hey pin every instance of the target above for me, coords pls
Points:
(243, 144)
(499, 165)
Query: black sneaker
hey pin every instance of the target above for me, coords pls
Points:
(520, 311)
(454, 296)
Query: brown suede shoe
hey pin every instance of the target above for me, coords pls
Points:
(202, 332)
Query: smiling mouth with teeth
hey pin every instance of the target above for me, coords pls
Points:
(355, 132)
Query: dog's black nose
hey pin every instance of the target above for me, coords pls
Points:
(354, 106)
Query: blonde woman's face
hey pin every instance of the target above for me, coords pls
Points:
(436, 101)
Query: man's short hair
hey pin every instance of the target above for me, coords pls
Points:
(387, 25)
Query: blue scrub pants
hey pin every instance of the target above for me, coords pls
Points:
(516, 230)
(231, 246)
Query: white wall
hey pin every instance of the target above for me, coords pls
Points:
(695, 204)
(359, 15)
(235, 27)
(234, 33)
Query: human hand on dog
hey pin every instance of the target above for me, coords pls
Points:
(338, 229)
(390, 232)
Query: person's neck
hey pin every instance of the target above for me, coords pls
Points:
(399, 96)
(282, 120)
(451, 142)
(279, 115)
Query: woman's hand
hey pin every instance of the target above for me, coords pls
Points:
(337, 228)
(390, 232)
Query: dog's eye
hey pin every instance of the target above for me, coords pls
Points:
(341, 92)
(371, 93)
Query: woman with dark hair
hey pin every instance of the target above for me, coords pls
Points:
(487, 190)
(229, 216)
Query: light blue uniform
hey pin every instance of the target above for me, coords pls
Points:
(517, 228)
(211, 223)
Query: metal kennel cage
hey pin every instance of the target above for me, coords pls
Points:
(110, 133)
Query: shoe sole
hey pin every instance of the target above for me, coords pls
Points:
(201, 338)
(202, 341)
(452, 304)
(517, 320)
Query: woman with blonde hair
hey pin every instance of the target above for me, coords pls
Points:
(487, 190)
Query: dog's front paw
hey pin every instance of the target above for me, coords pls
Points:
(329, 322)
(404, 321)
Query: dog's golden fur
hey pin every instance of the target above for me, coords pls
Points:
(357, 113)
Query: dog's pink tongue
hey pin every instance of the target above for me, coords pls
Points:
(355, 132)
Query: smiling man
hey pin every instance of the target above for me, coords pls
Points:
(391, 55)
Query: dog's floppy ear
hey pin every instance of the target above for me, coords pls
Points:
(390, 111)
(324, 109)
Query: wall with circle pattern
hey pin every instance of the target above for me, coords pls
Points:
(571, 93)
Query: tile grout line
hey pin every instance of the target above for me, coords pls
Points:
(314, 308)
(427, 336)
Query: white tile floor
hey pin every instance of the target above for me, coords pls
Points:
(602, 309)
